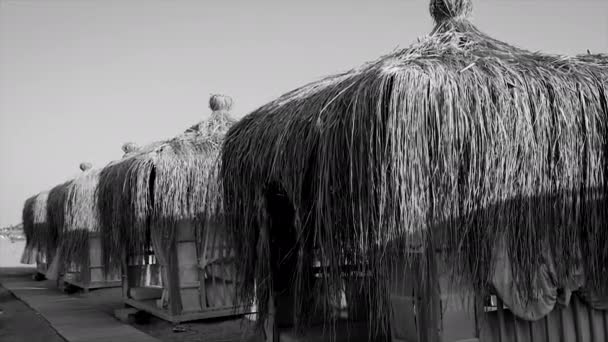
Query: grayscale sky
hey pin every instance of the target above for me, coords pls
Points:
(80, 77)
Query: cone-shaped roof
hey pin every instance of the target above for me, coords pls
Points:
(459, 130)
(159, 185)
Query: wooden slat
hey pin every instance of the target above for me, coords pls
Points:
(605, 317)
(591, 323)
(562, 332)
(546, 330)
(515, 321)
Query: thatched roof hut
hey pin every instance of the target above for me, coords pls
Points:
(459, 131)
(158, 185)
(80, 214)
(35, 226)
(27, 217)
(56, 211)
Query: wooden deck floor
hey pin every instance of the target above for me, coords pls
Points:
(73, 319)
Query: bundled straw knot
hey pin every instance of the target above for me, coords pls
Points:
(129, 147)
(219, 102)
(443, 10)
(85, 166)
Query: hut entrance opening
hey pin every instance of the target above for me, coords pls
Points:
(298, 294)
(283, 255)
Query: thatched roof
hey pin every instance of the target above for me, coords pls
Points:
(434, 134)
(27, 217)
(56, 214)
(129, 148)
(81, 203)
(35, 224)
(157, 186)
(80, 215)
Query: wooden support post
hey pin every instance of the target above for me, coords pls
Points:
(270, 327)
(125, 274)
(85, 271)
(175, 300)
(501, 321)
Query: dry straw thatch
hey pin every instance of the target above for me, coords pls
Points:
(27, 217)
(157, 186)
(459, 131)
(129, 148)
(80, 216)
(56, 216)
(35, 224)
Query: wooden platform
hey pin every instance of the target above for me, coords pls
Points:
(149, 306)
(93, 285)
(71, 318)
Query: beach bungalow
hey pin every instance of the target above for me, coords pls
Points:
(150, 203)
(55, 212)
(461, 183)
(40, 247)
(80, 242)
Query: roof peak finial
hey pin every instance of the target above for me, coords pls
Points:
(129, 147)
(85, 166)
(219, 102)
(443, 10)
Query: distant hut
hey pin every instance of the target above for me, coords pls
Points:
(56, 222)
(150, 203)
(27, 217)
(39, 246)
(447, 164)
(80, 242)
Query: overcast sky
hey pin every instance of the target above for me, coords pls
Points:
(80, 77)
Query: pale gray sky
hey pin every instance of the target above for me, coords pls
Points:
(80, 77)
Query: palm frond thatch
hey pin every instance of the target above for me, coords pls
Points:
(460, 131)
(27, 217)
(129, 147)
(56, 216)
(39, 239)
(156, 187)
(80, 216)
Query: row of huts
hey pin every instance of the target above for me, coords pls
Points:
(137, 223)
(455, 190)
